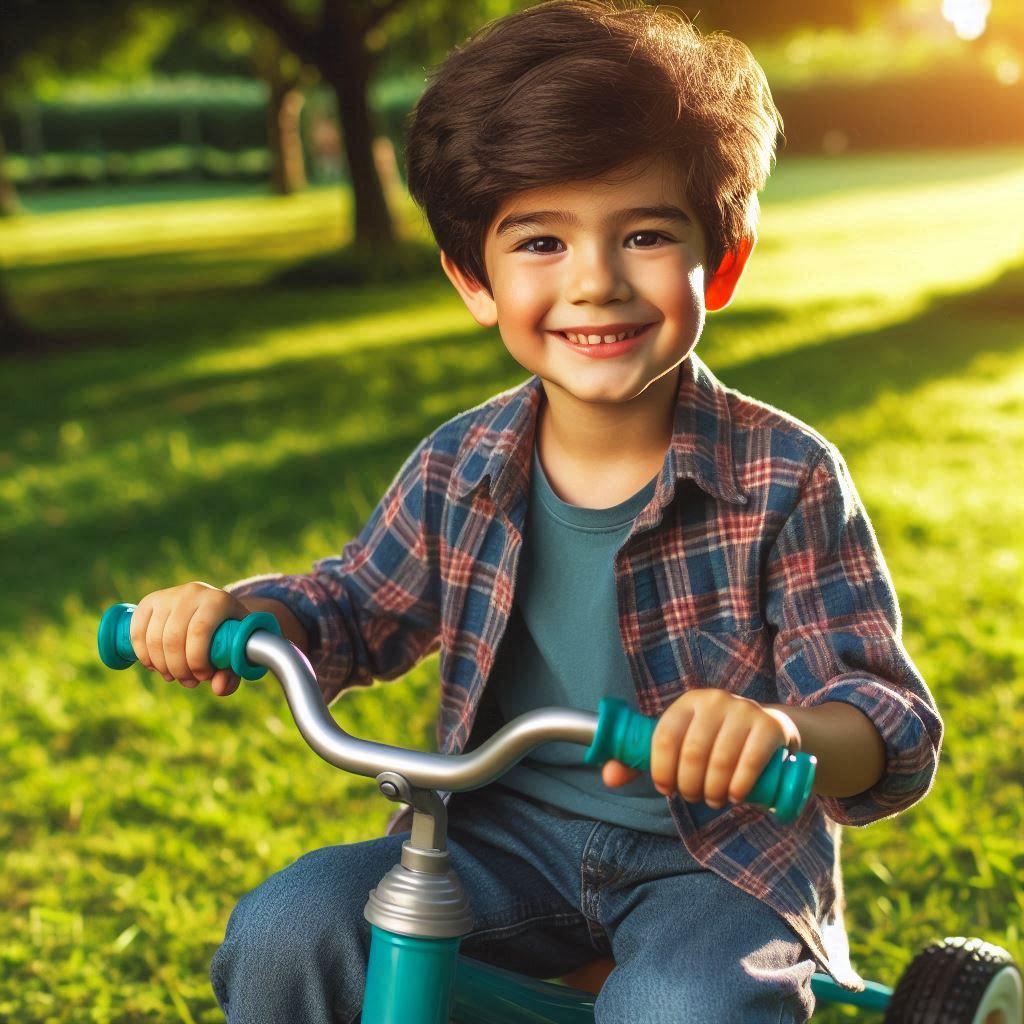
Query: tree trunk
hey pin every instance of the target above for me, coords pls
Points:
(350, 76)
(337, 49)
(9, 204)
(14, 335)
(288, 172)
(283, 74)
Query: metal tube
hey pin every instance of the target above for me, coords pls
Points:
(455, 772)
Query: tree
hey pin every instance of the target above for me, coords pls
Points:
(348, 43)
(332, 37)
(39, 41)
(218, 41)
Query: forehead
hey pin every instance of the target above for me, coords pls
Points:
(648, 183)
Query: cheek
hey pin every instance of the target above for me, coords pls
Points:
(524, 301)
(678, 292)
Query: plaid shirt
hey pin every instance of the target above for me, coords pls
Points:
(754, 568)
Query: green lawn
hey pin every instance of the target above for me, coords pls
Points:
(201, 425)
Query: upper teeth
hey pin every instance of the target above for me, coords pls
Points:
(598, 339)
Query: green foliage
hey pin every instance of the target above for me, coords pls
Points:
(780, 17)
(809, 57)
(42, 42)
(166, 163)
(419, 34)
(202, 424)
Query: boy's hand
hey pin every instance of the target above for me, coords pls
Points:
(711, 746)
(171, 632)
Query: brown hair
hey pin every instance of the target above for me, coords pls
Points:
(570, 90)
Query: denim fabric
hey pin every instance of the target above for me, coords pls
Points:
(754, 568)
(550, 893)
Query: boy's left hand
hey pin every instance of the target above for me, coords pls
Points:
(711, 746)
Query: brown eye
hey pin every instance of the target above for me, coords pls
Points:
(540, 242)
(656, 235)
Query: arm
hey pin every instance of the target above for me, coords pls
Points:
(839, 657)
(373, 611)
(711, 745)
(850, 752)
(291, 629)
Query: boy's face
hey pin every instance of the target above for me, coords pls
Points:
(593, 264)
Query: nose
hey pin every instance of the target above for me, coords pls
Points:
(596, 275)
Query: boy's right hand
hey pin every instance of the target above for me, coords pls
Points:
(172, 629)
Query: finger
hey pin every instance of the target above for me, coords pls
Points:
(694, 753)
(615, 773)
(761, 744)
(201, 628)
(175, 631)
(155, 642)
(668, 737)
(722, 761)
(224, 683)
(137, 633)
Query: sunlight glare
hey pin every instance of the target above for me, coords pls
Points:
(968, 17)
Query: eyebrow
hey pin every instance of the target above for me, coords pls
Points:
(542, 217)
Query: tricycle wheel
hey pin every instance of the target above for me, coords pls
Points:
(959, 981)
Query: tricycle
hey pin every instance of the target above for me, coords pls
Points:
(419, 911)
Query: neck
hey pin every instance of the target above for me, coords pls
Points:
(601, 435)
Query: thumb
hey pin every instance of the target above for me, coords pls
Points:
(615, 773)
(224, 682)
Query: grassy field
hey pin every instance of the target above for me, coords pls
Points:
(202, 426)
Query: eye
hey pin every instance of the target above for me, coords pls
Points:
(656, 235)
(542, 242)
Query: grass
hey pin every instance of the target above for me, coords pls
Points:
(202, 426)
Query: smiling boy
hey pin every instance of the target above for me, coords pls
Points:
(621, 524)
(604, 424)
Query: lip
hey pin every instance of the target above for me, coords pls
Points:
(610, 350)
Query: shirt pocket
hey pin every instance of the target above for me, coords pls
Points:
(740, 661)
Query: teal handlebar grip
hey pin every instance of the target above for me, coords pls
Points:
(784, 786)
(622, 734)
(227, 646)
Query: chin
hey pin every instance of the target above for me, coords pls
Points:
(614, 393)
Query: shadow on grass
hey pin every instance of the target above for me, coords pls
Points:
(390, 396)
(99, 530)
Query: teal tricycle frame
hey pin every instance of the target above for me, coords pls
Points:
(419, 912)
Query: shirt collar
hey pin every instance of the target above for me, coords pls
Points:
(702, 437)
(700, 450)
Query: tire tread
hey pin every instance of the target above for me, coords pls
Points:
(946, 981)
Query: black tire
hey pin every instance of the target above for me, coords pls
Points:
(958, 981)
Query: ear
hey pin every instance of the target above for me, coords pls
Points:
(476, 296)
(718, 292)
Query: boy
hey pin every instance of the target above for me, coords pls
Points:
(620, 524)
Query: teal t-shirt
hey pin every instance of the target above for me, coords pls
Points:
(563, 647)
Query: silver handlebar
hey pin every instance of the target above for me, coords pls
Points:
(453, 772)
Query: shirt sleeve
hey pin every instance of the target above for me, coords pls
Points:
(838, 638)
(373, 611)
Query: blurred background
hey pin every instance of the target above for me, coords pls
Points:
(223, 327)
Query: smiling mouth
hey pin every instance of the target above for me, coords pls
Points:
(606, 339)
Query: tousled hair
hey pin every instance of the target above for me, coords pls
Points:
(571, 90)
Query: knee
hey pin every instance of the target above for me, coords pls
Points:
(290, 924)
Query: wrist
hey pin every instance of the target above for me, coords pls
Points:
(291, 629)
(792, 739)
(848, 747)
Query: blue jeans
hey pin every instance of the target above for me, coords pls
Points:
(550, 893)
